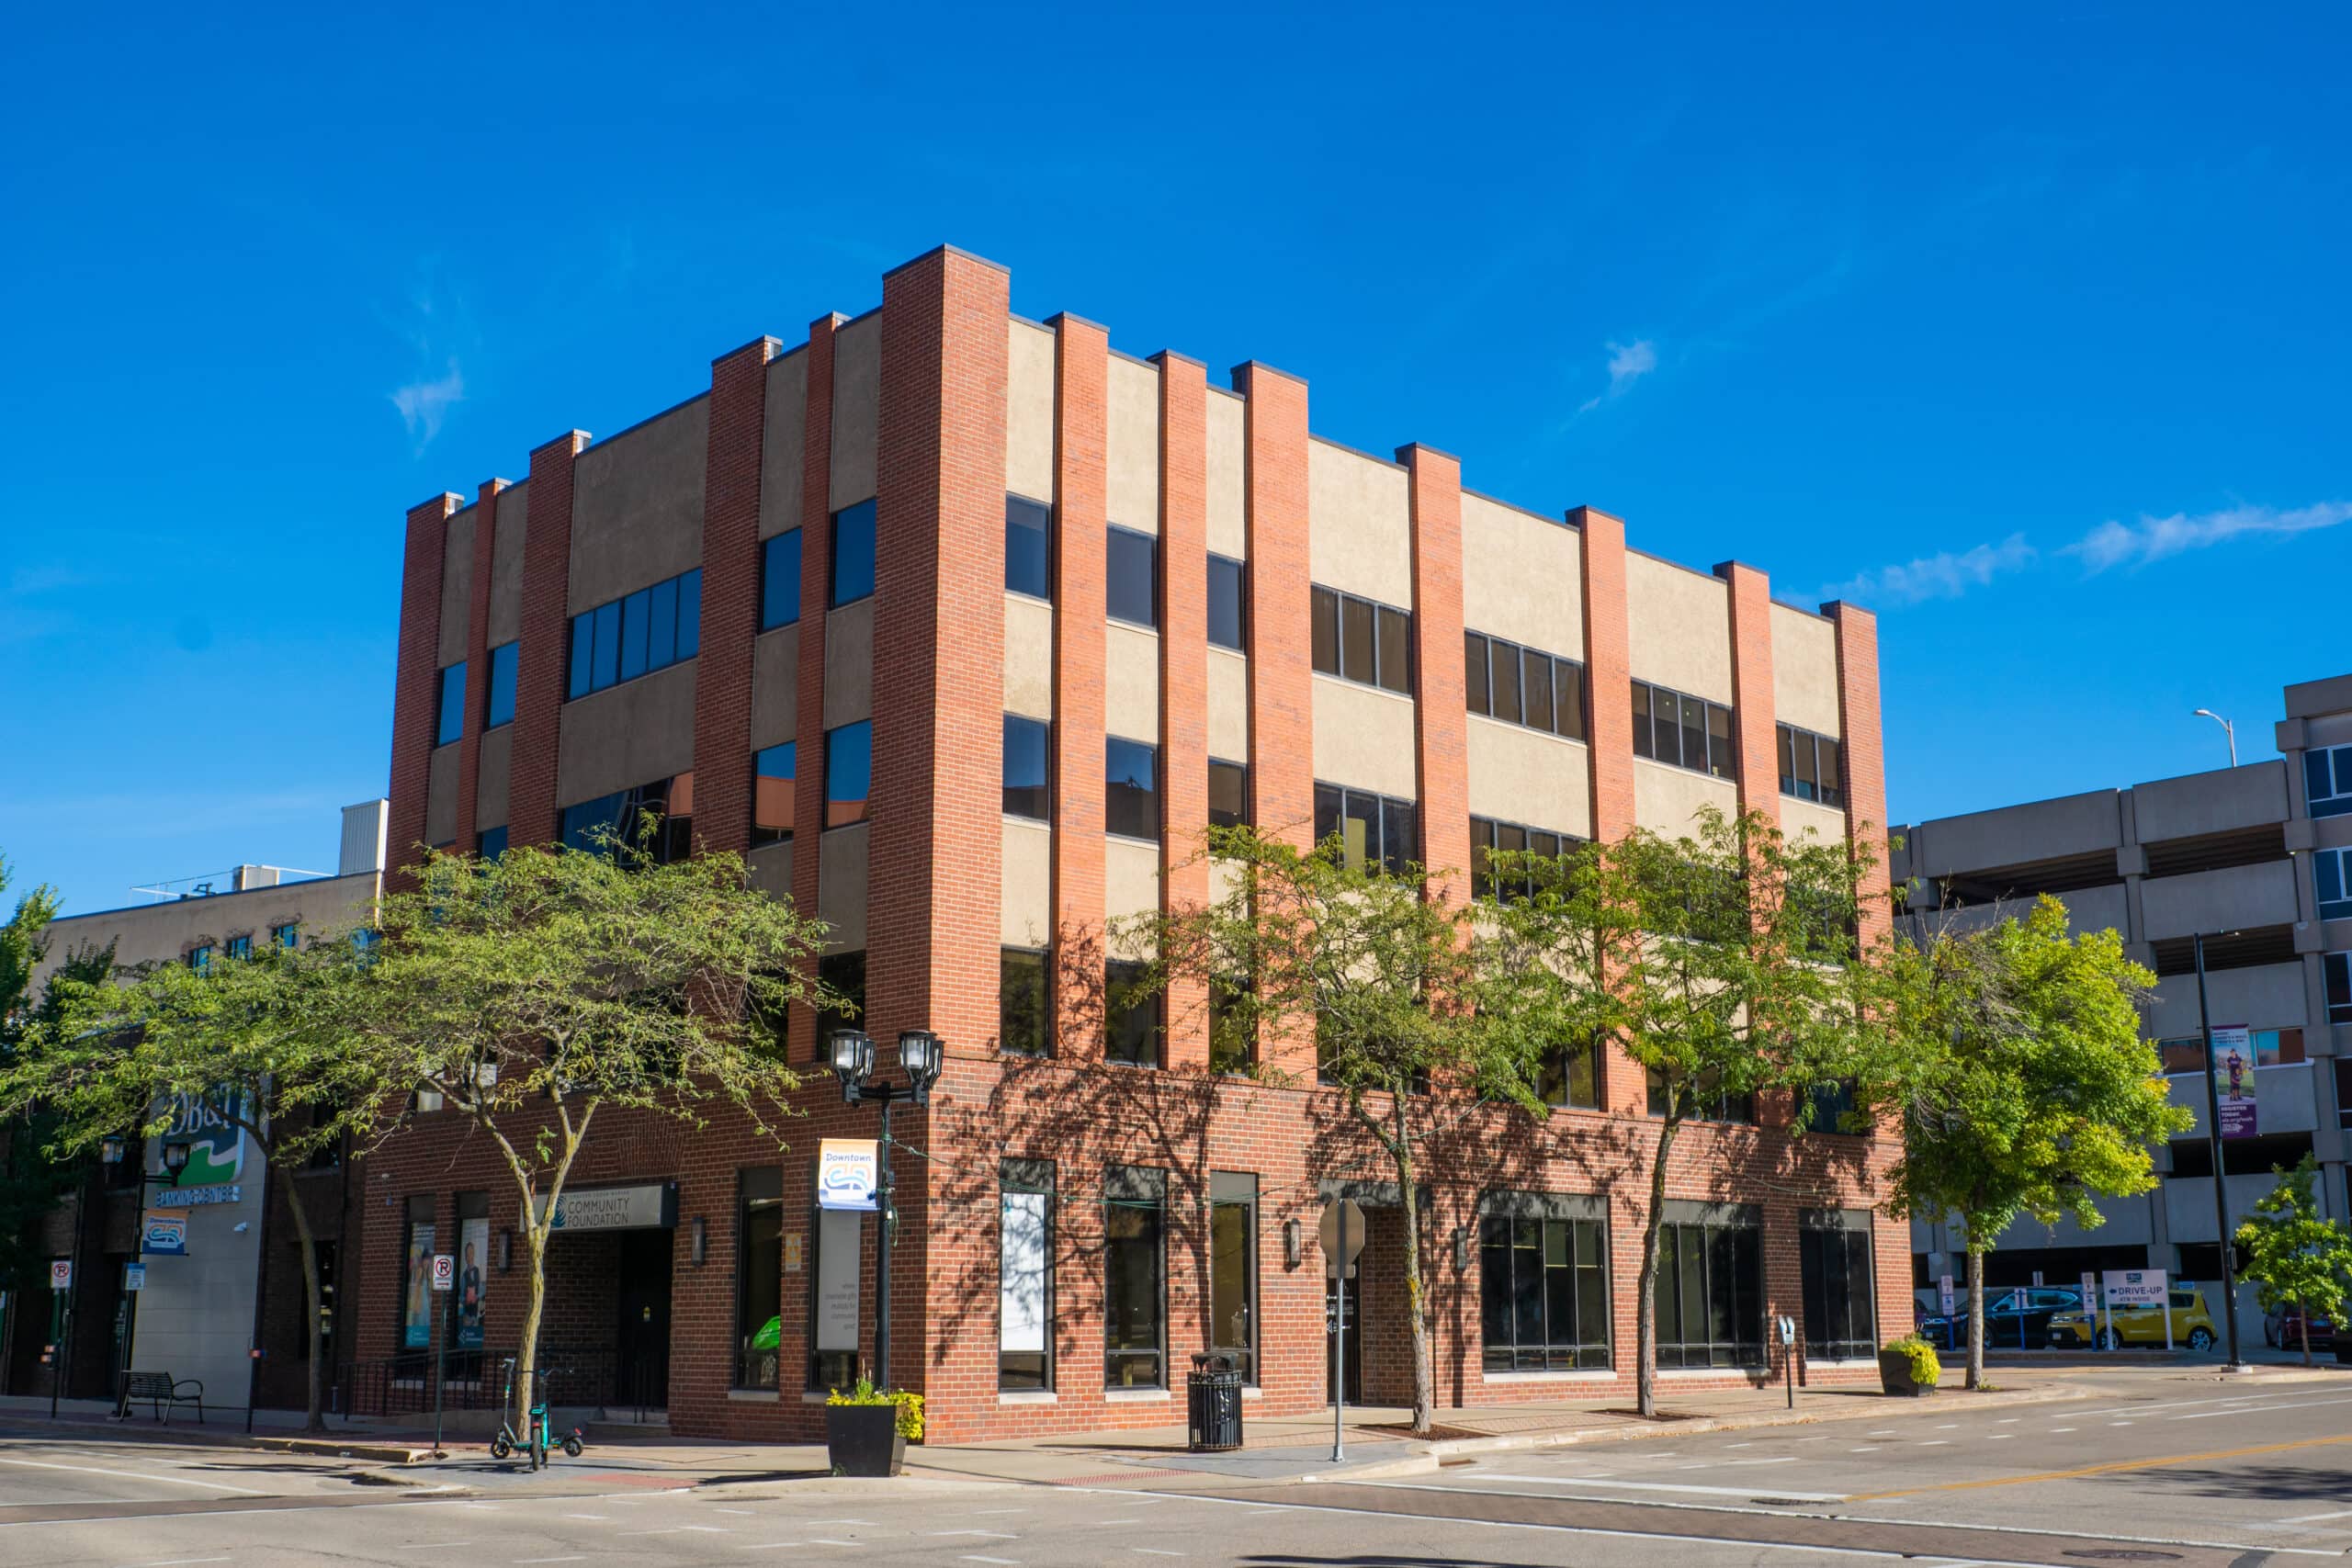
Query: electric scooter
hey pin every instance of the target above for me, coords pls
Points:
(538, 1432)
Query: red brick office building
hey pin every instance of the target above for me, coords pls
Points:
(961, 626)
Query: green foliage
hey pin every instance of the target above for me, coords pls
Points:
(1927, 1368)
(2028, 1088)
(2295, 1255)
(910, 1405)
(32, 1183)
(21, 950)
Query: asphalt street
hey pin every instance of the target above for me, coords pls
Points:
(2149, 1470)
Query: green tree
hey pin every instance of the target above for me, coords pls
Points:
(250, 1041)
(535, 992)
(2030, 1089)
(1371, 970)
(2298, 1257)
(1725, 964)
(30, 1184)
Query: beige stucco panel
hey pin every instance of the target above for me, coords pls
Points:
(164, 933)
(1130, 878)
(1678, 628)
(1131, 435)
(1667, 799)
(441, 797)
(857, 410)
(1229, 508)
(841, 886)
(1359, 525)
(1363, 738)
(1029, 412)
(769, 869)
(1027, 918)
(456, 588)
(1805, 670)
(1799, 817)
(849, 664)
(1523, 577)
(1522, 776)
(491, 774)
(637, 506)
(627, 735)
(775, 686)
(506, 564)
(1228, 706)
(1028, 657)
(1131, 682)
(782, 442)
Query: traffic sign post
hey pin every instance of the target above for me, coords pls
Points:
(444, 1274)
(1342, 1233)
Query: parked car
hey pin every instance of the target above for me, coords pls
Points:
(2282, 1328)
(2014, 1319)
(2191, 1324)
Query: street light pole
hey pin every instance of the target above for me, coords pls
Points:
(110, 1152)
(2221, 1185)
(921, 1054)
(2227, 729)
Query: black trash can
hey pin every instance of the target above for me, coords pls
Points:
(1212, 1399)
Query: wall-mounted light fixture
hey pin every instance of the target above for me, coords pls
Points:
(702, 1241)
(1291, 1243)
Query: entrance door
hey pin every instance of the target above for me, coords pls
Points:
(1354, 1306)
(641, 1379)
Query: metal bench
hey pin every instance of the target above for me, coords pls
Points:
(164, 1393)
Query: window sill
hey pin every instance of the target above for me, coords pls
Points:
(630, 680)
(777, 627)
(1689, 1374)
(1372, 687)
(838, 826)
(1576, 740)
(1028, 598)
(754, 1396)
(1136, 1396)
(1026, 820)
(1131, 839)
(1583, 1374)
(815, 1396)
(1840, 1363)
(845, 603)
(1027, 1395)
(1222, 648)
(1678, 768)
(1131, 625)
(1805, 800)
(1251, 1391)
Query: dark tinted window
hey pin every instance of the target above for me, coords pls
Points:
(1024, 768)
(1228, 615)
(662, 624)
(1644, 746)
(489, 844)
(1474, 670)
(1395, 649)
(1022, 1010)
(1373, 830)
(1543, 1294)
(635, 617)
(1359, 644)
(780, 580)
(1360, 640)
(1228, 794)
(1131, 578)
(503, 660)
(647, 630)
(1131, 789)
(1504, 671)
(1130, 1015)
(1710, 1300)
(854, 553)
(1536, 694)
(1324, 615)
(849, 773)
(844, 973)
(1568, 697)
(1840, 1319)
(774, 779)
(1684, 731)
(1028, 527)
(452, 722)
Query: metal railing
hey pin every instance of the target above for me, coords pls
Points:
(631, 1386)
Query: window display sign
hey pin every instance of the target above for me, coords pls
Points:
(2233, 1079)
(416, 1308)
(473, 1251)
(838, 1234)
(1021, 1293)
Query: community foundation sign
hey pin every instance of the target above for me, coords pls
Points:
(651, 1207)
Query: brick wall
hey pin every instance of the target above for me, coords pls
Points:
(546, 643)
(1440, 723)
(816, 592)
(1081, 373)
(477, 660)
(731, 597)
(1183, 679)
(1865, 757)
(416, 691)
(1751, 679)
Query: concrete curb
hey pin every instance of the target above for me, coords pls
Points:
(330, 1448)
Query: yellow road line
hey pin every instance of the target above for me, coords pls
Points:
(2108, 1469)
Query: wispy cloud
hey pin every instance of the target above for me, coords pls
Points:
(1946, 574)
(424, 403)
(2113, 543)
(1628, 363)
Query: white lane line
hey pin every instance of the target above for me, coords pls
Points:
(1867, 1449)
(822, 1541)
(2315, 1519)
(143, 1476)
(1998, 1437)
(998, 1535)
(1728, 1463)
(2055, 1431)
(1155, 1551)
(719, 1510)
(1934, 1443)
(984, 1513)
(2305, 1405)
(174, 1562)
(2118, 1423)
(1745, 1445)
(430, 1545)
(576, 1557)
(869, 1524)
(1000, 1562)
(1944, 1425)
(597, 1516)
(2008, 1420)
(767, 1545)
(1106, 1524)
(1671, 1487)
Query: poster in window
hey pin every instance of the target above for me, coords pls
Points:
(838, 1232)
(1022, 1323)
(416, 1308)
(473, 1252)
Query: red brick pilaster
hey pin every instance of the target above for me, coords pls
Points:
(1865, 757)
(539, 673)
(1281, 683)
(416, 687)
(816, 579)
(730, 596)
(1751, 682)
(477, 660)
(935, 864)
(1440, 721)
(1081, 376)
(1183, 679)
(1609, 669)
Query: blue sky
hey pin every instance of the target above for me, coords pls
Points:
(2029, 331)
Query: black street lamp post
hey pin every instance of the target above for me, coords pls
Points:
(2221, 1183)
(919, 1052)
(111, 1148)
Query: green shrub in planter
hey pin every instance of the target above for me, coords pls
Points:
(1908, 1366)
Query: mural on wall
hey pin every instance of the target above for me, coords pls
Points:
(216, 1150)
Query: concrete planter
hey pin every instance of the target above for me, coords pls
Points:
(1895, 1377)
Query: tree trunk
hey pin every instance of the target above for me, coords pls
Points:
(2303, 1327)
(1645, 1305)
(313, 1411)
(1416, 1299)
(1977, 1312)
(526, 1343)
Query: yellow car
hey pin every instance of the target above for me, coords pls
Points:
(2191, 1326)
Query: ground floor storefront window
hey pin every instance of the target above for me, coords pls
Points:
(1135, 1277)
(759, 1276)
(1544, 1287)
(1709, 1293)
(1024, 1353)
(1840, 1300)
(1233, 1269)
